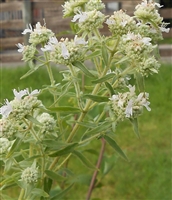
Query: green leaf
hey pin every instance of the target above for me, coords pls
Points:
(66, 150)
(32, 70)
(66, 109)
(81, 179)
(113, 144)
(96, 98)
(110, 88)
(104, 78)
(33, 120)
(140, 82)
(102, 127)
(39, 192)
(47, 184)
(83, 68)
(134, 122)
(16, 143)
(83, 159)
(61, 194)
(105, 54)
(87, 124)
(93, 55)
(54, 176)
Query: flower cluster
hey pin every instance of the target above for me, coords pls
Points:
(147, 13)
(65, 51)
(7, 127)
(72, 6)
(23, 104)
(5, 145)
(90, 20)
(128, 104)
(48, 123)
(120, 23)
(30, 175)
(139, 49)
(27, 51)
(38, 35)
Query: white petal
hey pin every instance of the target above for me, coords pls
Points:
(65, 52)
(20, 94)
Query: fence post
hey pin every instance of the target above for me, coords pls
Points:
(27, 17)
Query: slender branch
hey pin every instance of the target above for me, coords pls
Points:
(92, 183)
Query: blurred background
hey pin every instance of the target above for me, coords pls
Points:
(15, 15)
(148, 175)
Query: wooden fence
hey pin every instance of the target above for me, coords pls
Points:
(15, 15)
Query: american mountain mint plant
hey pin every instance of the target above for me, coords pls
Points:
(103, 84)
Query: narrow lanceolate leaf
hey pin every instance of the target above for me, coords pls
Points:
(14, 146)
(113, 144)
(54, 176)
(62, 193)
(140, 82)
(96, 98)
(104, 78)
(105, 54)
(93, 55)
(32, 70)
(66, 109)
(135, 126)
(33, 120)
(83, 159)
(83, 68)
(110, 88)
(39, 193)
(102, 127)
(66, 150)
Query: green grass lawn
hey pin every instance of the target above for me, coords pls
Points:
(148, 174)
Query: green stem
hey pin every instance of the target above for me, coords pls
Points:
(21, 196)
(77, 87)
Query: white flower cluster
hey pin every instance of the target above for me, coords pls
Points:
(7, 127)
(27, 51)
(38, 35)
(128, 104)
(48, 123)
(120, 23)
(65, 51)
(147, 13)
(72, 6)
(30, 175)
(138, 49)
(5, 145)
(90, 20)
(22, 105)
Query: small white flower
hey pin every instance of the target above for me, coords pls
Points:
(34, 92)
(123, 23)
(146, 41)
(65, 52)
(82, 16)
(110, 21)
(20, 94)
(27, 30)
(21, 47)
(129, 109)
(79, 41)
(51, 44)
(5, 110)
(53, 40)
